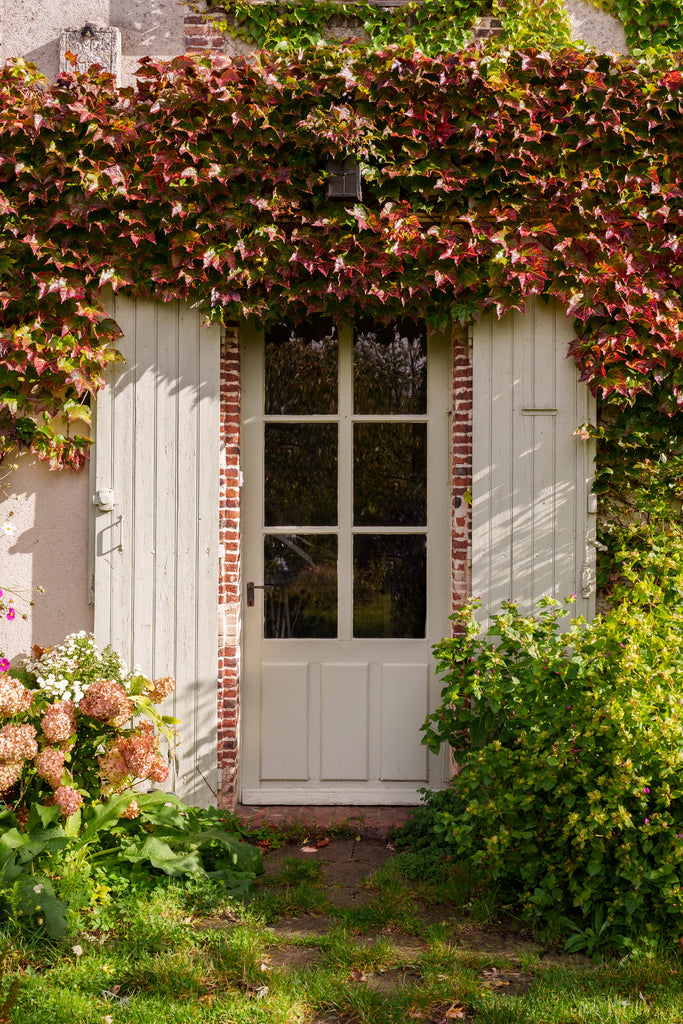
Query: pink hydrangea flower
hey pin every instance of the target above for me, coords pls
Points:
(50, 766)
(17, 742)
(136, 755)
(131, 811)
(159, 689)
(59, 722)
(9, 774)
(68, 800)
(14, 697)
(106, 701)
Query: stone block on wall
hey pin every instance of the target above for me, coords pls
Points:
(91, 44)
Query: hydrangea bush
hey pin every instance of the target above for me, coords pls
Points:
(568, 736)
(79, 727)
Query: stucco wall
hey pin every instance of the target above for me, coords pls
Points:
(31, 29)
(598, 29)
(48, 548)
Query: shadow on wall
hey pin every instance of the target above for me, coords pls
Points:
(48, 548)
(148, 27)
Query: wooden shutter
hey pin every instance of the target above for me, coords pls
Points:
(533, 522)
(155, 555)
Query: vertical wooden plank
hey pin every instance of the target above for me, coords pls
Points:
(482, 484)
(543, 479)
(144, 482)
(187, 414)
(205, 725)
(523, 459)
(166, 433)
(492, 456)
(122, 441)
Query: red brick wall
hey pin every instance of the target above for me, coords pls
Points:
(229, 576)
(201, 36)
(230, 579)
(461, 485)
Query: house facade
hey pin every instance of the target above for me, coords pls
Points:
(284, 519)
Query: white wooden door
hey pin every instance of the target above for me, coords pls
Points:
(533, 517)
(154, 540)
(346, 541)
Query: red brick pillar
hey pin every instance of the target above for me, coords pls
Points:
(230, 576)
(461, 484)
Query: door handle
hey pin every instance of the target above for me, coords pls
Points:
(251, 587)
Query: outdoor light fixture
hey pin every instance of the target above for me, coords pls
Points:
(343, 178)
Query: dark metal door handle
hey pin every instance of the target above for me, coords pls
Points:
(251, 587)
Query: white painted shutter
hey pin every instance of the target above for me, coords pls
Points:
(155, 555)
(533, 526)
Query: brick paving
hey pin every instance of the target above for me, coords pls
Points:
(371, 822)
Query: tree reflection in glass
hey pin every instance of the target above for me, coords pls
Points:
(301, 594)
(389, 585)
(390, 474)
(300, 474)
(390, 367)
(301, 368)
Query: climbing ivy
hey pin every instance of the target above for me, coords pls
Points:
(486, 180)
(432, 26)
(649, 25)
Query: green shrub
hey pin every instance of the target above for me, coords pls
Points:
(568, 737)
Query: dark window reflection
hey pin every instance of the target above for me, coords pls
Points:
(301, 368)
(389, 367)
(389, 585)
(301, 600)
(390, 474)
(300, 474)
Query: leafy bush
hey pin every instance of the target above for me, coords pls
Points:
(69, 735)
(568, 738)
(46, 869)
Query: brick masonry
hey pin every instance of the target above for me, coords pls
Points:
(230, 579)
(229, 576)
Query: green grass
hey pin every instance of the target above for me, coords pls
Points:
(184, 954)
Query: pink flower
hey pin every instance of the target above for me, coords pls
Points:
(59, 722)
(131, 811)
(50, 766)
(14, 698)
(136, 755)
(17, 742)
(10, 613)
(4, 664)
(159, 689)
(9, 774)
(106, 701)
(68, 799)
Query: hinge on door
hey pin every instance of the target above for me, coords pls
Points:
(91, 591)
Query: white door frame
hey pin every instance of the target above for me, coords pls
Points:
(307, 686)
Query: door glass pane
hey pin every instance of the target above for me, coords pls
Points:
(389, 585)
(301, 368)
(301, 599)
(300, 474)
(389, 367)
(390, 474)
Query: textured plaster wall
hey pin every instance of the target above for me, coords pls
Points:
(598, 29)
(31, 29)
(48, 548)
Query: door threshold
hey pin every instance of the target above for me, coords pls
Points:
(371, 821)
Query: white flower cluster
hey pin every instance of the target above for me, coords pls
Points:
(66, 671)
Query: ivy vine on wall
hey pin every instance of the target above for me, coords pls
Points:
(485, 181)
(432, 26)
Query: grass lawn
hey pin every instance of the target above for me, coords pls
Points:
(337, 934)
